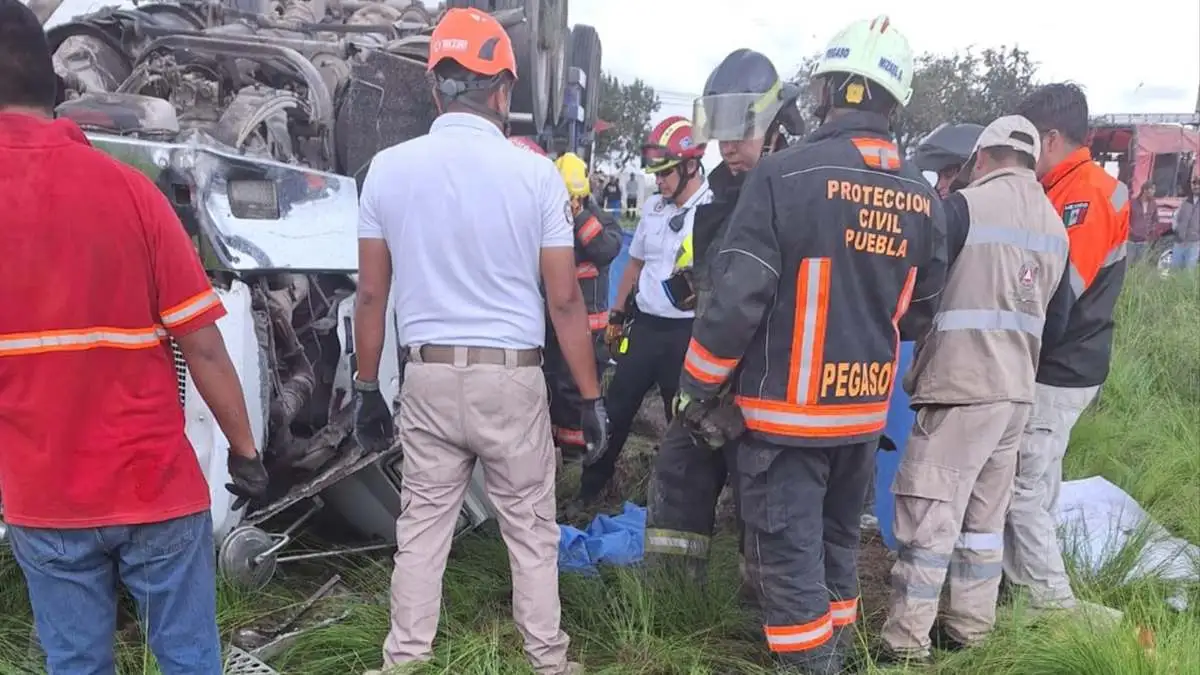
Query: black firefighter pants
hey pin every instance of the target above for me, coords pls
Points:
(566, 405)
(800, 508)
(684, 490)
(654, 355)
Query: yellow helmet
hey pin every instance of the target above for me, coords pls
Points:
(574, 174)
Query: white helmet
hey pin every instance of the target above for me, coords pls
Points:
(874, 50)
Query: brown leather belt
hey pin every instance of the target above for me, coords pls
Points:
(471, 356)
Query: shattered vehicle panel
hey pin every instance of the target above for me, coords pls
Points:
(256, 214)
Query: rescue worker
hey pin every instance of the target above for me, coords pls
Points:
(597, 243)
(100, 484)
(1095, 210)
(470, 316)
(944, 152)
(829, 244)
(972, 386)
(747, 109)
(647, 334)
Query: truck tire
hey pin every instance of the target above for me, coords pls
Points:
(532, 91)
(556, 33)
(586, 53)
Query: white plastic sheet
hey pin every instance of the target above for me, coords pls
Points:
(1097, 520)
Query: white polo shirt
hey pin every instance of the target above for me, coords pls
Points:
(655, 243)
(465, 214)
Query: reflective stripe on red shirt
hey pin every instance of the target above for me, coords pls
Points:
(98, 273)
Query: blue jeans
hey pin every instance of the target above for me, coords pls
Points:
(1136, 250)
(1185, 256)
(169, 569)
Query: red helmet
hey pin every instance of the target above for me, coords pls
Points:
(668, 144)
(526, 143)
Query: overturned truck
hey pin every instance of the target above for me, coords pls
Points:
(258, 120)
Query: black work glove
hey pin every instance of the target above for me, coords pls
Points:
(713, 423)
(249, 478)
(615, 329)
(373, 429)
(594, 421)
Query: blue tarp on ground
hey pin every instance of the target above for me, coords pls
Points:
(618, 267)
(613, 540)
(899, 424)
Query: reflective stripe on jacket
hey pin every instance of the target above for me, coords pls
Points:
(597, 244)
(985, 338)
(1095, 209)
(829, 243)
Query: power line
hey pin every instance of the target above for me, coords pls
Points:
(669, 93)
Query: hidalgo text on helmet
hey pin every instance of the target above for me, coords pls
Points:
(868, 66)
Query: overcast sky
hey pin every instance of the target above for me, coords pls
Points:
(1136, 57)
(1139, 56)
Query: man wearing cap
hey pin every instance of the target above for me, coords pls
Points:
(1094, 208)
(972, 385)
(471, 319)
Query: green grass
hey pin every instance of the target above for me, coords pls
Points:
(1142, 434)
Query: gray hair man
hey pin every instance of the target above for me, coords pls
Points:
(972, 384)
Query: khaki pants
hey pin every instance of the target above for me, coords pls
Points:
(1032, 556)
(952, 493)
(450, 417)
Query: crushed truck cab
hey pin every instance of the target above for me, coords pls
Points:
(258, 121)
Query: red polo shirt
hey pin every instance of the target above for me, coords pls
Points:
(96, 272)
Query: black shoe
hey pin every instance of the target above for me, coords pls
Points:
(943, 640)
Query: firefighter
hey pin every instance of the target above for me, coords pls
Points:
(972, 385)
(749, 111)
(646, 332)
(597, 243)
(944, 152)
(1095, 210)
(829, 244)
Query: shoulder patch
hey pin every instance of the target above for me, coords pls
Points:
(567, 212)
(1074, 213)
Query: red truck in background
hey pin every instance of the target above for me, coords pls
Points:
(1159, 148)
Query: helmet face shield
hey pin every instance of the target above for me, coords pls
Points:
(734, 117)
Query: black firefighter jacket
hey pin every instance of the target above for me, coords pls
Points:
(829, 244)
(597, 244)
(708, 230)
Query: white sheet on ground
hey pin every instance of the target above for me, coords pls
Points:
(1096, 519)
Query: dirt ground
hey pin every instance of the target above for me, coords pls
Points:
(874, 563)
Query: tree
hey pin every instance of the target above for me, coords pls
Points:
(961, 87)
(627, 107)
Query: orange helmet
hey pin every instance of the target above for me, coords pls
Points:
(475, 40)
